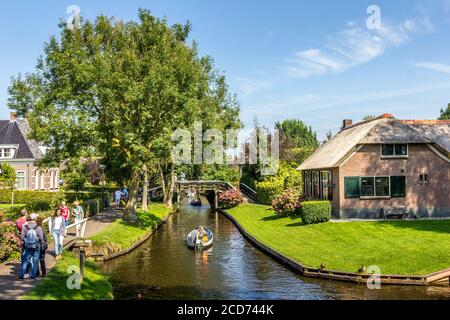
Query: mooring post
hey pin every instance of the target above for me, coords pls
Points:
(216, 200)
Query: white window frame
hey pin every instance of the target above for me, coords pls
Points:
(42, 180)
(56, 180)
(394, 156)
(375, 188)
(36, 180)
(12, 151)
(25, 179)
(52, 181)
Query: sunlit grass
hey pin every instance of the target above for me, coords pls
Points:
(397, 247)
(124, 235)
(54, 287)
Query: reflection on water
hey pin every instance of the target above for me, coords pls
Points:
(164, 268)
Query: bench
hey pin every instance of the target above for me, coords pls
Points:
(396, 212)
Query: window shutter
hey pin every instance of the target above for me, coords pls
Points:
(352, 187)
(398, 187)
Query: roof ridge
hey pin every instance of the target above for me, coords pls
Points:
(383, 116)
(429, 122)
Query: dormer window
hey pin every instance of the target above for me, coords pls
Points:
(394, 150)
(7, 153)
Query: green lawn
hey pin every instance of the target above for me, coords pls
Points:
(400, 247)
(54, 287)
(123, 235)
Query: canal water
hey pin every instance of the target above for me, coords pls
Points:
(164, 268)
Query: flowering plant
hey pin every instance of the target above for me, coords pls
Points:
(9, 241)
(231, 198)
(288, 203)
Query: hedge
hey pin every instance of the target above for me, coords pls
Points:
(267, 191)
(314, 212)
(45, 201)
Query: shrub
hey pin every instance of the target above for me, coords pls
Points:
(92, 207)
(314, 212)
(267, 191)
(34, 200)
(46, 201)
(288, 203)
(230, 198)
(9, 241)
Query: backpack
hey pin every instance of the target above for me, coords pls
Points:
(32, 240)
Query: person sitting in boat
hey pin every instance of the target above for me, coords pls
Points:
(202, 234)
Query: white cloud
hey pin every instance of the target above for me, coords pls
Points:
(434, 66)
(353, 46)
(250, 86)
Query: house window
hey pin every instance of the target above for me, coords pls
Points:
(363, 187)
(382, 187)
(21, 180)
(394, 150)
(423, 179)
(326, 192)
(367, 186)
(6, 153)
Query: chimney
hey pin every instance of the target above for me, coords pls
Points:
(347, 123)
(13, 117)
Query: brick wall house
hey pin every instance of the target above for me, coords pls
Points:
(22, 154)
(383, 163)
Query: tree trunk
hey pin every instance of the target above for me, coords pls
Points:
(163, 181)
(130, 209)
(145, 190)
(170, 187)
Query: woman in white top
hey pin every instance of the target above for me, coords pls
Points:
(58, 232)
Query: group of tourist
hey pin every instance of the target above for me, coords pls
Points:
(33, 238)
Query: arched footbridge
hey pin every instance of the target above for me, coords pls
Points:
(211, 188)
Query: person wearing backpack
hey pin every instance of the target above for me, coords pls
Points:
(44, 246)
(32, 237)
(58, 232)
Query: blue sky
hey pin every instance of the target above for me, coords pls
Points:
(312, 60)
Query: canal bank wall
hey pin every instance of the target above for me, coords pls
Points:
(357, 278)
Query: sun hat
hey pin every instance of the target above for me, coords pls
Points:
(34, 216)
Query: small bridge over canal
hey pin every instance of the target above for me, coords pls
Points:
(211, 188)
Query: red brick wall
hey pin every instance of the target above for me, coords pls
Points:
(420, 198)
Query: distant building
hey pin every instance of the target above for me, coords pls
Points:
(383, 163)
(22, 154)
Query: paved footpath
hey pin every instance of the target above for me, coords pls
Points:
(13, 289)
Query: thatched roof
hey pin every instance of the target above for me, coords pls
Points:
(384, 129)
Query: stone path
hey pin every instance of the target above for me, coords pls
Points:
(12, 289)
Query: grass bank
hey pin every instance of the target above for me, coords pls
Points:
(95, 286)
(397, 247)
(121, 235)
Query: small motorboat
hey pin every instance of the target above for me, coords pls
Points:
(196, 203)
(200, 238)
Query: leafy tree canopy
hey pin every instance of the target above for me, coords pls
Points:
(445, 113)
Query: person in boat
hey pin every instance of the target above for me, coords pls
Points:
(202, 234)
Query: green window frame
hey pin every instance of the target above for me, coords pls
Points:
(398, 186)
(352, 188)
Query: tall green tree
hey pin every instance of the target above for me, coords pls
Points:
(445, 113)
(298, 133)
(114, 88)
